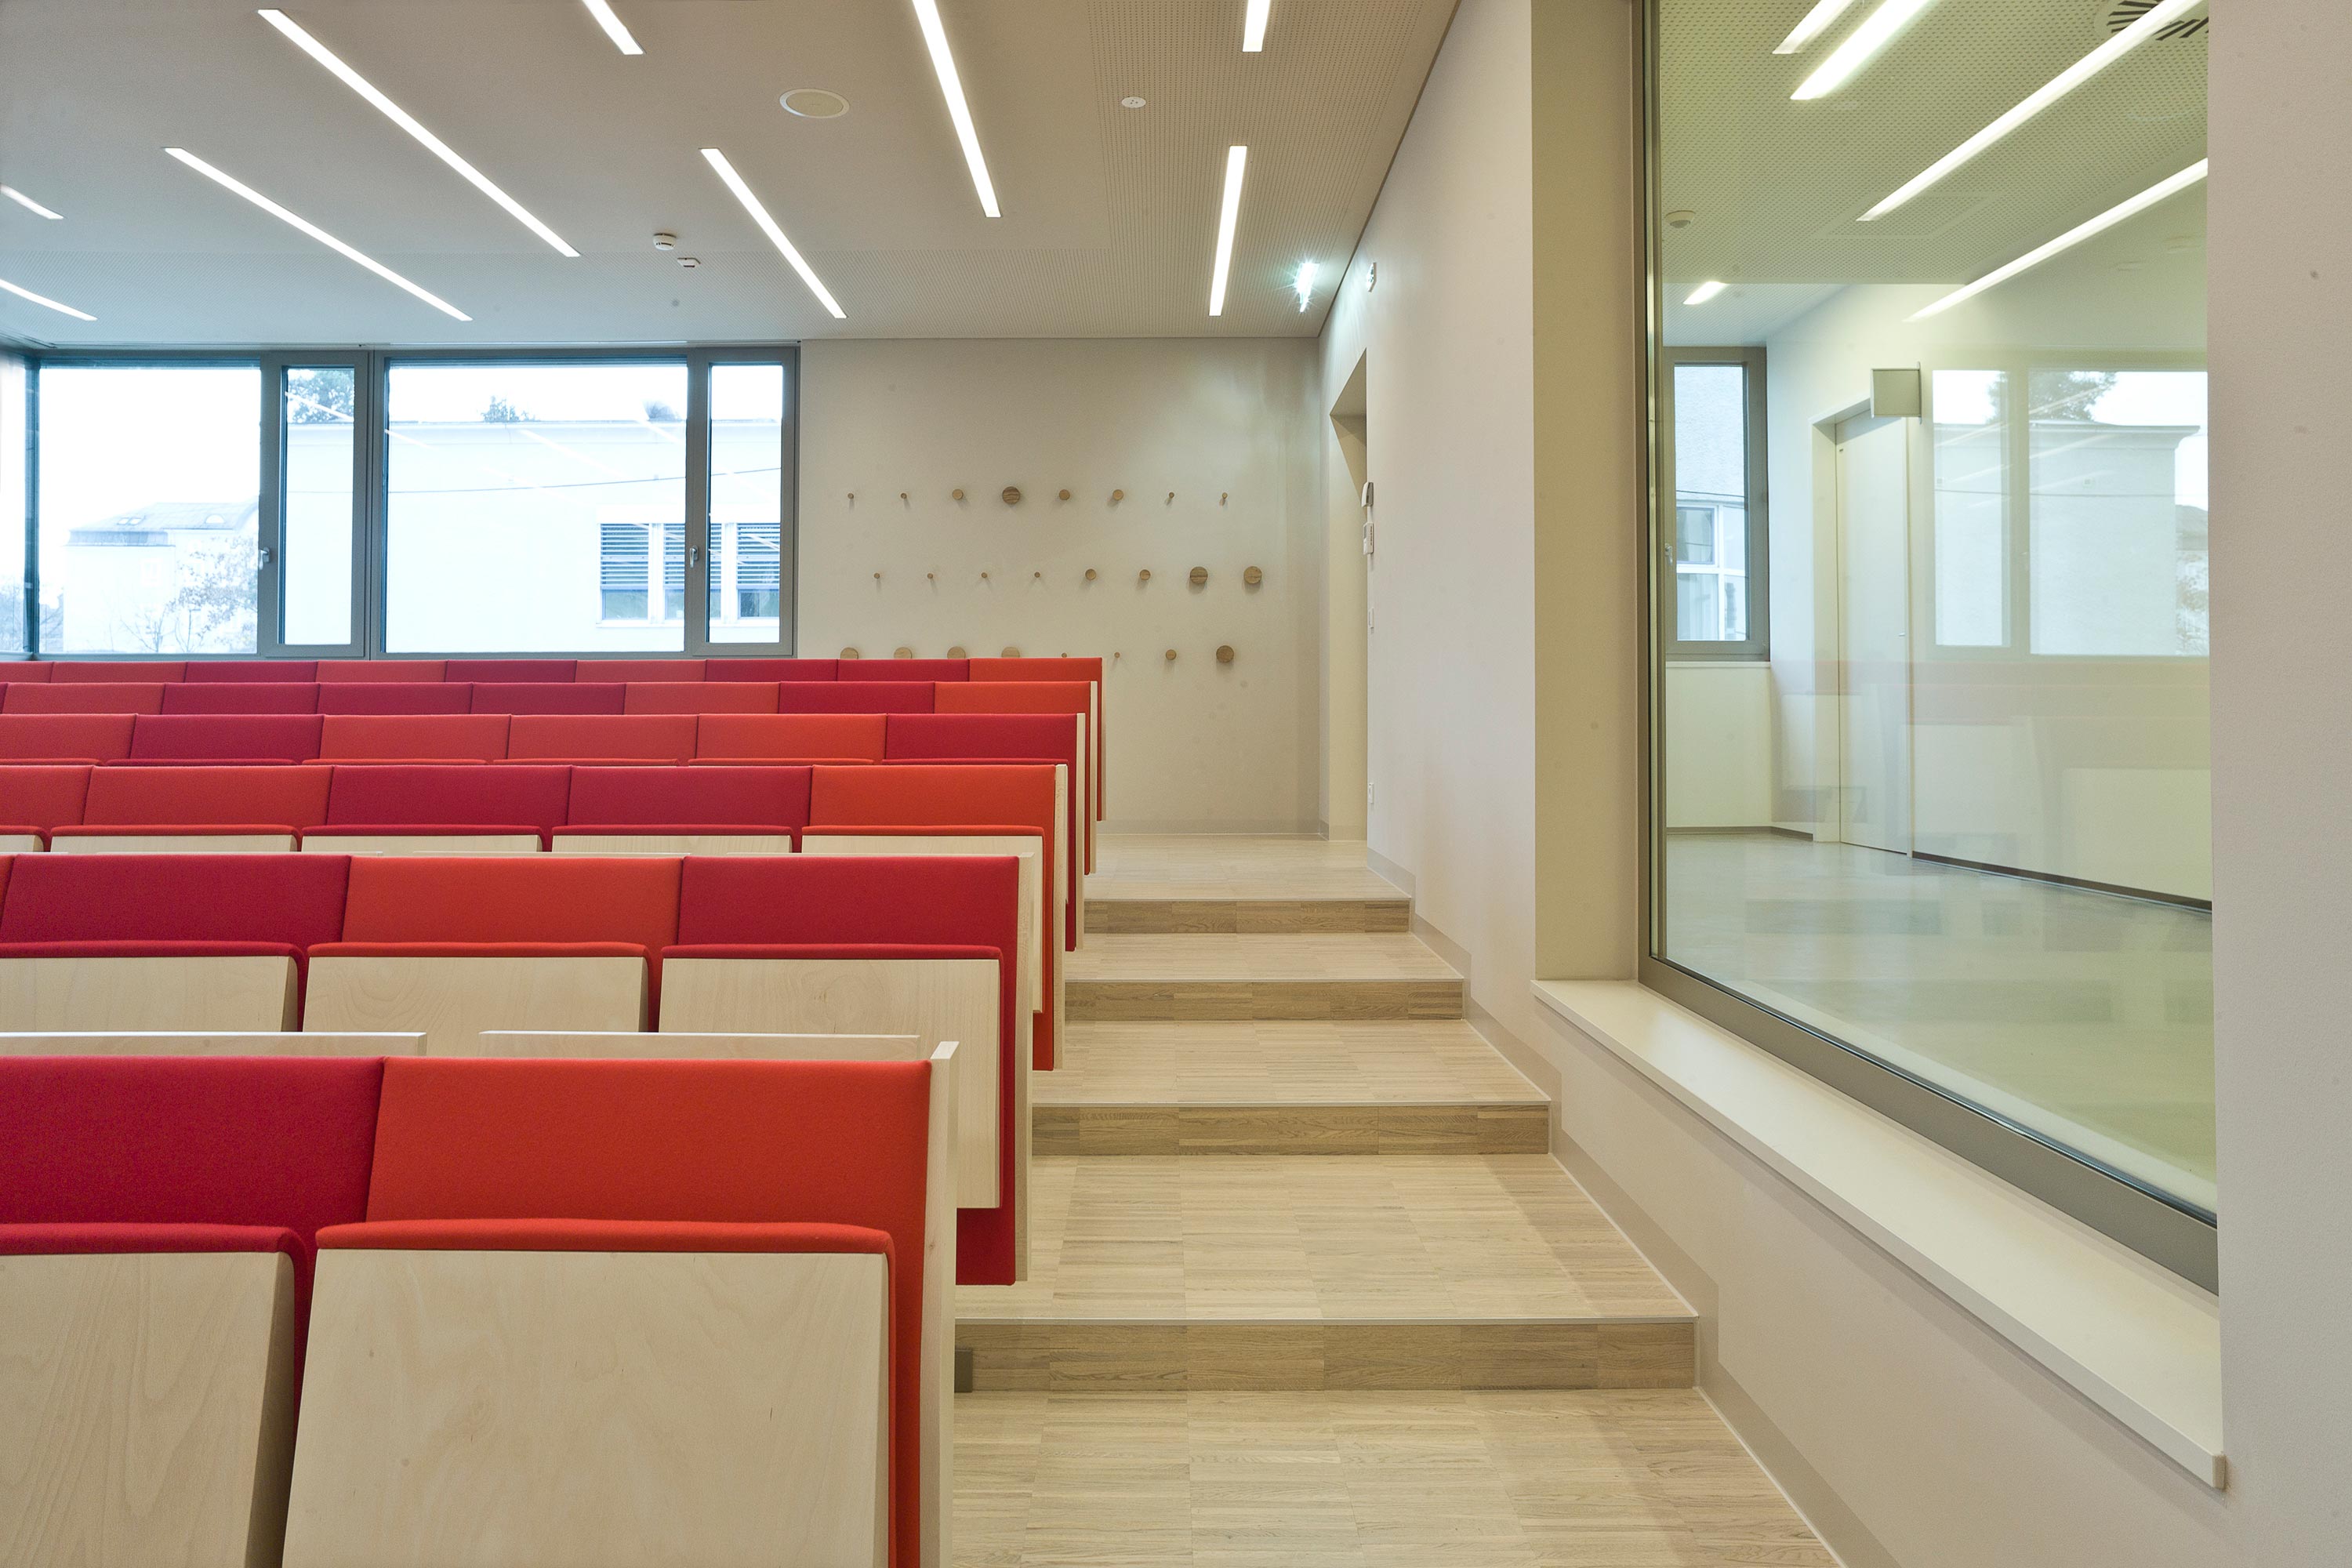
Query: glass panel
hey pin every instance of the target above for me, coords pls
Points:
(12, 504)
(149, 497)
(1961, 821)
(746, 426)
(315, 578)
(509, 489)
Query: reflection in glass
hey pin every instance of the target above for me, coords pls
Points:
(315, 581)
(1711, 502)
(150, 541)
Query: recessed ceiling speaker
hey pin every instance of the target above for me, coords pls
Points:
(1130, 102)
(815, 103)
(1681, 217)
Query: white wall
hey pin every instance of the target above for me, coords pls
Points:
(1718, 744)
(1194, 745)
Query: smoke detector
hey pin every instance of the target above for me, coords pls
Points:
(665, 241)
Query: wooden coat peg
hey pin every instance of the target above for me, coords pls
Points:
(1172, 498)
(957, 652)
(902, 653)
(930, 576)
(1224, 653)
(1036, 576)
(849, 653)
(1220, 496)
(1252, 577)
(1117, 497)
(1011, 496)
(1065, 495)
(959, 495)
(1010, 653)
(1090, 574)
(902, 495)
(1170, 655)
(1144, 575)
(983, 576)
(1199, 576)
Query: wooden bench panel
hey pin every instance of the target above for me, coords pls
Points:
(1032, 881)
(421, 843)
(450, 1001)
(209, 994)
(640, 1046)
(673, 843)
(64, 842)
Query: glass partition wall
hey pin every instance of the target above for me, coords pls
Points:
(1930, 771)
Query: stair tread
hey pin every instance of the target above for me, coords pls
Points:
(1231, 865)
(1416, 1062)
(1339, 957)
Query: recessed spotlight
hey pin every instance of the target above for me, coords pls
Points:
(1130, 102)
(43, 299)
(815, 103)
(2072, 236)
(29, 205)
(1706, 291)
(751, 205)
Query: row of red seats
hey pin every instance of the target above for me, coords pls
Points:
(113, 1170)
(543, 697)
(348, 671)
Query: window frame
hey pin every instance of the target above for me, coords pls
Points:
(1756, 648)
(366, 442)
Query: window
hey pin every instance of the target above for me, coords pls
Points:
(149, 491)
(12, 503)
(1971, 508)
(318, 404)
(747, 472)
(1718, 510)
(529, 507)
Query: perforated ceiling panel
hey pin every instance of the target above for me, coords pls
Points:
(1109, 214)
(1777, 185)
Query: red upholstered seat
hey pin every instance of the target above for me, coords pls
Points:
(769, 669)
(701, 697)
(242, 697)
(647, 737)
(854, 697)
(262, 671)
(726, 1142)
(532, 900)
(207, 797)
(396, 697)
(546, 697)
(726, 800)
(1063, 669)
(790, 736)
(837, 902)
(184, 1154)
(904, 670)
(25, 669)
(227, 736)
(57, 696)
(111, 671)
(35, 798)
(347, 671)
(69, 737)
(978, 695)
(637, 669)
(269, 901)
(439, 737)
(516, 799)
(1002, 737)
(508, 669)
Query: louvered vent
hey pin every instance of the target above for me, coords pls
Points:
(2122, 13)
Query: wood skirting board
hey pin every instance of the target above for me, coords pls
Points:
(1294, 1129)
(1114, 1001)
(1243, 917)
(1136, 1357)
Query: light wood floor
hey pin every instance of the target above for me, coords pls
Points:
(1431, 1479)
(1321, 956)
(1258, 1062)
(1170, 866)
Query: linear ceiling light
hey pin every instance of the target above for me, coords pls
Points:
(1254, 25)
(935, 35)
(1861, 45)
(45, 300)
(1816, 21)
(29, 205)
(2072, 236)
(1228, 216)
(2057, 86)
(718, 161)
(314, 231)
(407, 122)
(1706, 291)
(613, 29)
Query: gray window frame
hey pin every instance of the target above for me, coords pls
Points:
(1756, 646)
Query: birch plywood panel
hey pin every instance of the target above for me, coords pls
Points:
(229, 995)
(450, 1001)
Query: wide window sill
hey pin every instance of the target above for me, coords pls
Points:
(2132, 1337)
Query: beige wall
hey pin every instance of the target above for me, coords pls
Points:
(1718, 722)
(1194, 745)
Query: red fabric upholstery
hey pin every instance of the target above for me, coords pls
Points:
(854, 697)
(41, 798)
(790, 735)
(25, 669)
(721, 799)
(518, 899)
(423, 795)
(1007, 737)
(49, 737)
(83, 1240)
(111, 671)
(373, 669)
(978, 695)
(264, 1143)
(490, 671)
(296, 899)
(904, 670)
(82, 696)
(769, 669)
(637, 669)
(701, 697)
(546, 697)
(263, 671)
(1064, 669)
(241, 696)
(200, 797)
(396, 697)
(741, 1142)
(229, 737)
(840, 901)
(652, 737)
(433, 736)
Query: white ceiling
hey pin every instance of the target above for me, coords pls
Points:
(1109, 214)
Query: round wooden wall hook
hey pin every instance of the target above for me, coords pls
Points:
(902, 653)
(902, 495)
(1222, 496)
(1011, 496)
(1170, 655)
(849, 653)
(878, 576)
(1199, 576)
(1252, 577)
(957, 652)
(1090, 574)
(959, 495)
(1224, 653)
(930, 576)
(1036, 576)
(1065, 495)
(983, 576)
(1144, 575)
(1117, 497)
(1172, 498)
(1010, 653)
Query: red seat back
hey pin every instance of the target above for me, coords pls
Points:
(240, 737)
(635, 669)
(651, 737)
(1064, 669)
(242, 697)
(206, 797)
(59, 696)
(396, 697)
(296, 901)
(495, 670)
(701, 697)
(791, 735)
(769, 669)
(25, 669)
(737, 798)
(546, 697)
(263, 671)
(854, 697)
(108, 672)
(518, 899)
(42, 798)
(345, 672)
(423, 796)
(99, 737)
(904, 670)
(438, 736)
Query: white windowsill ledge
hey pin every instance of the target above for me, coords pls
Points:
(2133, 1339)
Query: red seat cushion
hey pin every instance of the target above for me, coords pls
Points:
(650, 737)
(701, 697)
(537, 898)
(348, 671)
(49, 737)
(737, 1142)
(508, 669)
(855, 696)
(263, 671)
(82, 696)
(108, 671)
(207, 797)
(396, 697)
(229, 737)
(241, 696)
(546, 697)
(423, 796)
(295, 899)
(43, 797)
(790, 735)
(424, 736)
(25, 669)
(745, 798)
(904, 670)
(769, 669)
(637, 669)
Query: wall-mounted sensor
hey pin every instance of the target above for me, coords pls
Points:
(665, 241)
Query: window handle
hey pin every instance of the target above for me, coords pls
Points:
(267, 555)
(694, 555)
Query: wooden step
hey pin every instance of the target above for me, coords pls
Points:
(1136, 978)
(1172, 917)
